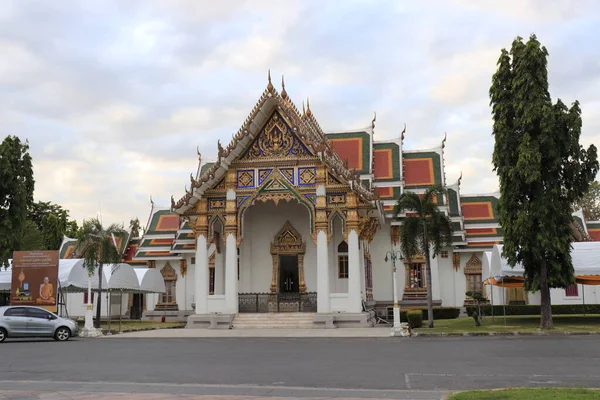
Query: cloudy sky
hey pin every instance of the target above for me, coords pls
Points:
(115, 96)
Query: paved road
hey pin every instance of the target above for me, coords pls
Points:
(398, 368)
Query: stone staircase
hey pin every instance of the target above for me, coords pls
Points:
(273, 320)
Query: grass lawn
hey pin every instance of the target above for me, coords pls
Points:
(136, 325)
(519, 323)
(528, 394)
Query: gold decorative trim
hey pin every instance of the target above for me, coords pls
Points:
(473, 266)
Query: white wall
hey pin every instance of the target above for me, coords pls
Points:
(382, 271)
(76, 307)
(262, 222)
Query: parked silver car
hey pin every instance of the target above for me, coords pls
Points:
(26, 321)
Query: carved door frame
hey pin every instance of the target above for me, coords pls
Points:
(288, 241)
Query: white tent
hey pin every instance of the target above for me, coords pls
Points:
(121, 277)
(72, 276)
(585, 256)
(150, 279)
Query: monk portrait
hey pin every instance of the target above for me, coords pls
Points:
(46, 293)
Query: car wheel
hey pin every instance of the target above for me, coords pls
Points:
(62, 334)
(2, 335)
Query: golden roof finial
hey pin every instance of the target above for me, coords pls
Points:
(269, 85)
(308, 112)
(283, 92)
(303, 109)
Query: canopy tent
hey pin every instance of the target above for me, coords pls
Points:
(150, 280)
(72, 277)
(586, 263)
(121, 277)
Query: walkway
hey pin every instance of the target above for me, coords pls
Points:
(283, 333)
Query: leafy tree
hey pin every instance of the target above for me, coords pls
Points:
(96, 246)
(16, 194)
(541, 166)
(32, 237)
(590, 203)
(424, 229)
(52, 221)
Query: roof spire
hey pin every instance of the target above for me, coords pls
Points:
(269, 85)
(303, 109)
(283, 92)
(308, 112)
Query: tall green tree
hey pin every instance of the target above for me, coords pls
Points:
(16, 194)
(590, 202)
(52, 221)
(425, 229)
(96, 245)
(542, 169)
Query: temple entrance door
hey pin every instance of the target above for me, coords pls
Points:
(288, 274)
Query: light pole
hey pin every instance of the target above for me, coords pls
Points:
(398, 329)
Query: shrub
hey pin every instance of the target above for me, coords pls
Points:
(438, 313)
(535, 310)
(415, 318)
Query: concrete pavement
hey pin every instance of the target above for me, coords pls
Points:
(325, 367)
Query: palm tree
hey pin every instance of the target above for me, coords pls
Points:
(425, 228)
(97, 247)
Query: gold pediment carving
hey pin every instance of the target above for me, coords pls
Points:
(288, 241)
(473, 266)
(276, 140)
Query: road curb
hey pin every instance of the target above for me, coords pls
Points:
(447, 334)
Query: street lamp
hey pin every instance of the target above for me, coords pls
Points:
(398, 329)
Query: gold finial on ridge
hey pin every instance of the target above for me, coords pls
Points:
(283, 92)
(269, 85)
(308, 112)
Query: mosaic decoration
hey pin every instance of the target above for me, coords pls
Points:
(288, 173)
(263, 174)
(220, 185)
(218, 203)
(245, 178)
(456, 261)
(337, 198)
(306, 176)
(276, 140)
(275, 185)
(311, 197)
(241, 200)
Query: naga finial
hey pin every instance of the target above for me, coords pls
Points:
(151, 201)
(459, 178)
(374, 119)
(444, 141)
(172, 203)
(221, 151)
(403, 132)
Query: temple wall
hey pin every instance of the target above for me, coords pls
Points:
(382, 271)
(262, 222)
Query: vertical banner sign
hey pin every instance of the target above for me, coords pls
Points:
(34, 279)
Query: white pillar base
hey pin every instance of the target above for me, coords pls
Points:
(402, 331)
(90, 332)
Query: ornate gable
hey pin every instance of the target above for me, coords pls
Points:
(276, 140)
(473, 266)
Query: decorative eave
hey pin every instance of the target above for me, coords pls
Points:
(304, 125)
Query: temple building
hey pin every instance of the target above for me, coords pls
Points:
(292, 219)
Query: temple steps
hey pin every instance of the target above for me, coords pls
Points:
(273, 321)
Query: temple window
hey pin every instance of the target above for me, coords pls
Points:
(167, 299)
(211, 274)
(342, 251)
(416, 275)
(572, 290)
(473, 276)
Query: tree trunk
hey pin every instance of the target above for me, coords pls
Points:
(546, 306)
(428, 277)
(429, 292)
(99, 300)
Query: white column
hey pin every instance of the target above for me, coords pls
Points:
(323, 303)
(201, 276)
(231, 281)
(354, 296)
(89, 319)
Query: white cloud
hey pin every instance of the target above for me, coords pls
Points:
(114, 97)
